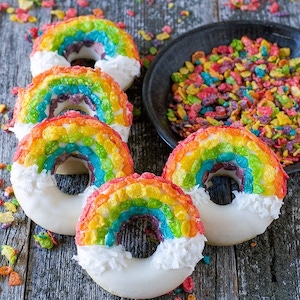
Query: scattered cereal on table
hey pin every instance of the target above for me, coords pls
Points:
(43, 240)
(206, 259)
(6, 217)
(25, 4)
(48, 3)
(83, 3)
(130, 13)
(253, 244)
(121, 25)
(8, 191)
(5, 270)
(9, 206)
(70, 13)
(188, 285)
(14, 279)
(10, 254)
(162, 36)
(98, 12)
(58, 13)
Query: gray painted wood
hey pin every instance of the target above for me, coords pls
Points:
(270, 270)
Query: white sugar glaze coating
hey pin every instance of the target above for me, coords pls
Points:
(44, 203)
(118, 272)
(247, 216)
(121, 68)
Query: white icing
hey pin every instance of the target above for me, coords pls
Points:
(262, 205)
(97, 259)
(21, 129)
(122, 68)
(247, 216)
(124, 131)
(45, 60)
(118, 272)
(44, 203)
(199, 195)
(179, 253)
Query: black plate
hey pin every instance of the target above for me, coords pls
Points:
(157, 83)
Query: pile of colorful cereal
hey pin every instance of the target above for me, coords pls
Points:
(248, 83)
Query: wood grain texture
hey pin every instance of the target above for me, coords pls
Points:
(270, 270)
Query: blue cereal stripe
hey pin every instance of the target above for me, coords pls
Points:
(63, 89)
(91, 156)
(93, 36)
(138, 211)
(241, 161)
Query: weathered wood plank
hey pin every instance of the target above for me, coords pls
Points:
(12, 74)
(271, 269)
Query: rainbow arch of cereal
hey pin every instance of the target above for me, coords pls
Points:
(87, 40)
(178, 228)
(213, 148)
(112, 205)
(88, 89)
(86, 29)
(54, 140)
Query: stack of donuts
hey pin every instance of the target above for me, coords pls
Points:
(75, 115)
(72, 118)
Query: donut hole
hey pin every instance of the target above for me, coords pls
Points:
(222, 182)
(72, 175)
(71, 102)
(72, 184)
(139, 236)
(84, 62)
(84, 53)
(220, 190)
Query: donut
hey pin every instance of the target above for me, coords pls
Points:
(81, 139)
(87, 38)
(58, 89)
(239, 154)
(175, 219)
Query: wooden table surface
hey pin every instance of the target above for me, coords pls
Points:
(270, 270)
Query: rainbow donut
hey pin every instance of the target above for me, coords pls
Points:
(87, 38)
(237, 153)
(84, 140)
(171, 212)
(61, 88)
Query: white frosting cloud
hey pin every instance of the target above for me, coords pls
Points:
(264, 206)
(45, 60)
(122, 68)
(97, 259)
(169, 255)
(179, 253)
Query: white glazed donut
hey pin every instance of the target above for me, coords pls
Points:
(172, 214)
(59, 89)
(237, 153)
(75, 137)
(87, 38)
